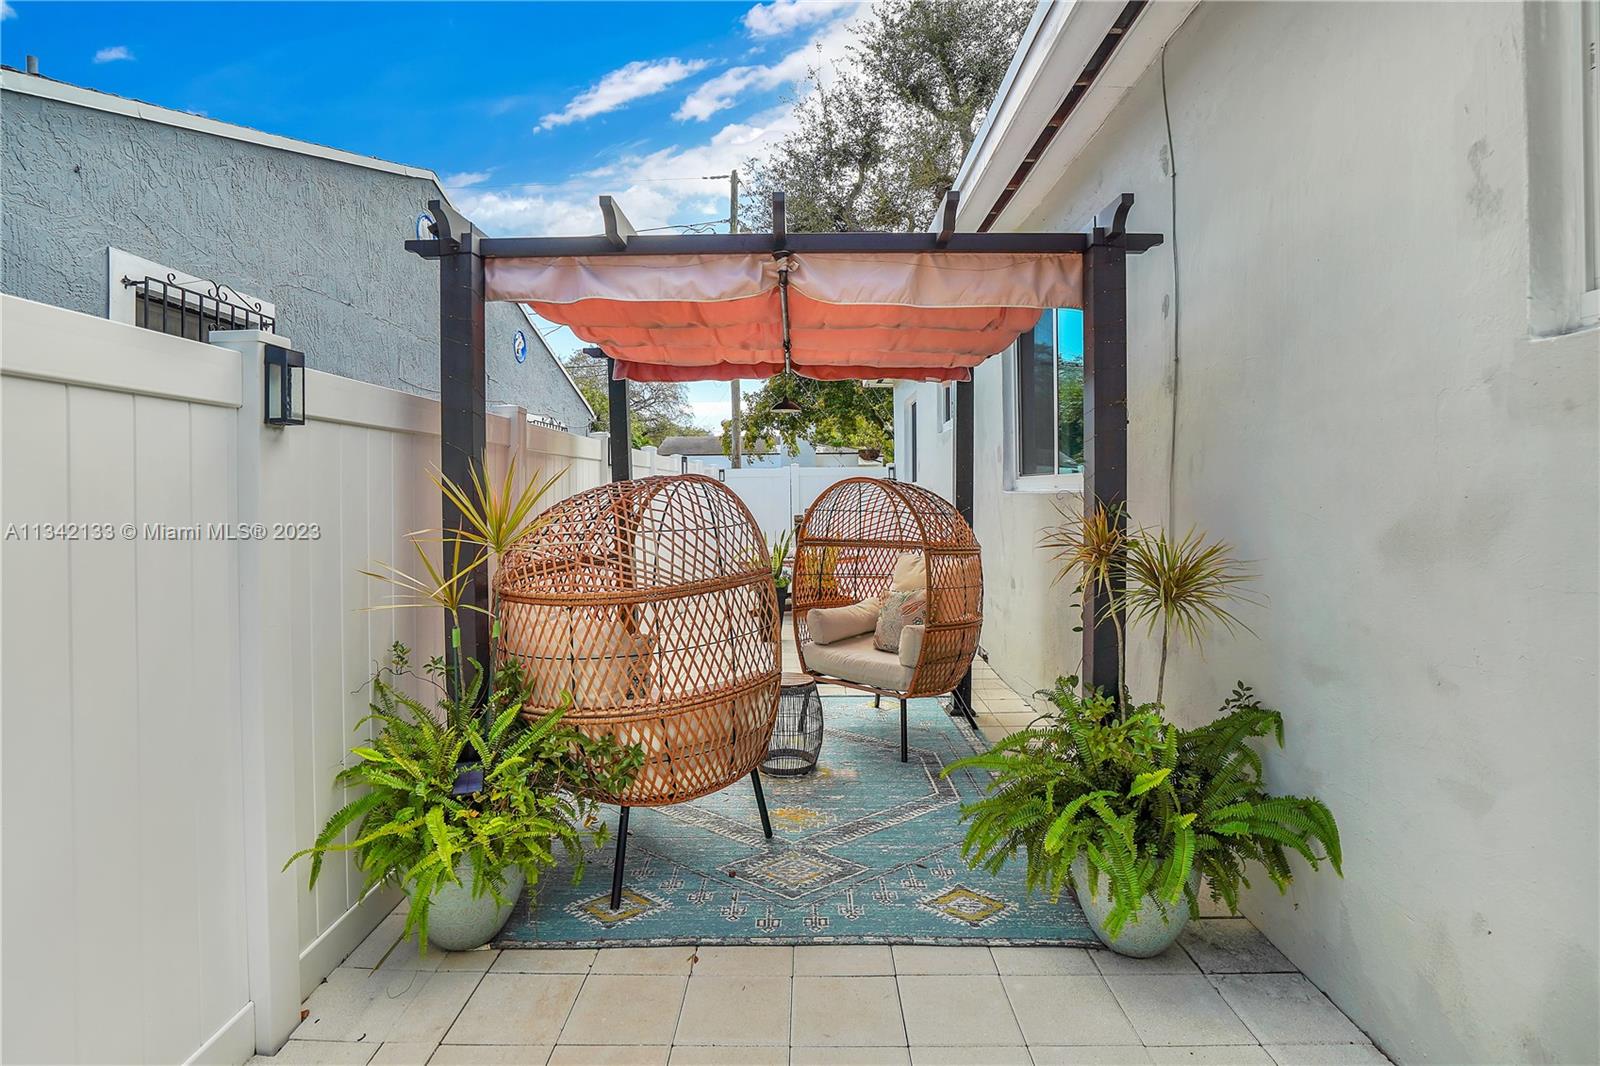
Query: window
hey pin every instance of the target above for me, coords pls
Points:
(1049, 396)
(151, 296)
(911, 441)
(947, 405)
(1591, 155)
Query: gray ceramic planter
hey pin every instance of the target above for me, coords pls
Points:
(458, 922)
(1146, 934)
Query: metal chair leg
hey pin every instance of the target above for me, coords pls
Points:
(761, 803)
(622, 857)
(903, 747)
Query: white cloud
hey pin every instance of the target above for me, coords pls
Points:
(823, 51)
(665, 186)
(710, 414)
(7, 11)
(113, 54)
(466, 179)
(784, 16)
(622, 86)
(657, 188)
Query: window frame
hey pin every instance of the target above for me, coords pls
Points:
(1017, 480)
(1589, 194)
(911, 441)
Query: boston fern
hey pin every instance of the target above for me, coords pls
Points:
(411, 826)
(1144, 802)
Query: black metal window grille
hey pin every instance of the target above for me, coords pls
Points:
(163, 305)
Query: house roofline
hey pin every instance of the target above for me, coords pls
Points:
(1056, 48)
(13, 80)
(538, 338)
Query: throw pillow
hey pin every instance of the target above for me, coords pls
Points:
(900, 609)
(828, 624)
(910, 574)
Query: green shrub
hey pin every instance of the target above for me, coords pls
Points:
(411, 826)
(1145, 802)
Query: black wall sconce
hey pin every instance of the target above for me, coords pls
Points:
(285, 376)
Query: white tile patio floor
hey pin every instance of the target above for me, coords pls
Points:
(1224, 995)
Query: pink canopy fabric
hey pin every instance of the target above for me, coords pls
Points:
(919, 316)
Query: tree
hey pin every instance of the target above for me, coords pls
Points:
(656, 409)
(838, 413)
(878, 145)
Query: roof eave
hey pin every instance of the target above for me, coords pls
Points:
(1051, 58)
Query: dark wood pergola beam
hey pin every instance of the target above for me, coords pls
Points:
(621, 238)
(768, 244)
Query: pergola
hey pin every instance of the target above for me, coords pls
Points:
(924, 306)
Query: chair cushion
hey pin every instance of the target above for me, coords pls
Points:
(900, 609)
(830, 624)
(910, 573)
(855, 659)
(597, 659)
(911, 645)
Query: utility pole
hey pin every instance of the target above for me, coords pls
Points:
(736, 445)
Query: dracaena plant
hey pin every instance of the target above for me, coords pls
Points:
(1142, 577)
(1144, 802)
(495, 515)
(413, 826)
(779, 555)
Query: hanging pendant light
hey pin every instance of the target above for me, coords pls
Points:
(786, 407)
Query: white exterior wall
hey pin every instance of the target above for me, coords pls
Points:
(935, 439)
(174, 710)
(1366, 410)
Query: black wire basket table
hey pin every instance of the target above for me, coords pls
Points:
(797, 737)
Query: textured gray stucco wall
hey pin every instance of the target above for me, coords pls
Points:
(319, 239)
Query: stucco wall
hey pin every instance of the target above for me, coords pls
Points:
(318, 238)
(935, 441)
(1364, 411)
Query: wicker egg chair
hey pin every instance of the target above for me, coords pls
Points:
(846, 551)
(651, 602)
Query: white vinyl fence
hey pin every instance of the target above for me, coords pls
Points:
(186, 640)
(777, 496)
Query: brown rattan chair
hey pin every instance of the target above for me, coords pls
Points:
(651, 603)
(846, 550)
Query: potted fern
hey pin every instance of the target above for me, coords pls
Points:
(464, 804)
(464, 854)
(1117, 801)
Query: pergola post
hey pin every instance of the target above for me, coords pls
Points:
(621, 439)
(462, 403)
(965, 464)
(1105, 415)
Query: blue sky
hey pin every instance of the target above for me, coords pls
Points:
(528, 111)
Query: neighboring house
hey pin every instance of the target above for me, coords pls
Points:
(708, 450)
(252, 229)
(1366, 356)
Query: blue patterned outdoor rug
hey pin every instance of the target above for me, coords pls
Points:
(866, 850)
